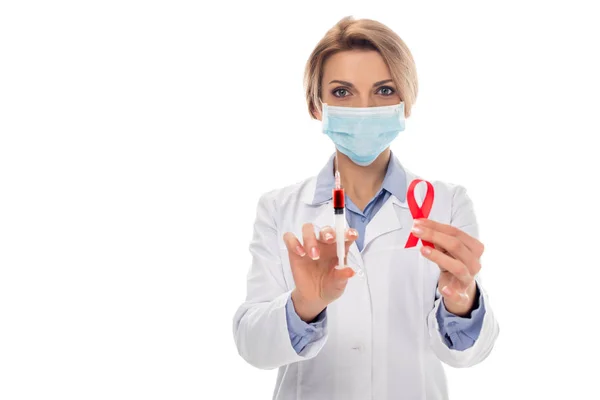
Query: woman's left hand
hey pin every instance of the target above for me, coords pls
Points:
(457, 254)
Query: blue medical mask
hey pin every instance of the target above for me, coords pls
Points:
(363, 133)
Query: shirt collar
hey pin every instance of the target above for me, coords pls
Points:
(394, 181)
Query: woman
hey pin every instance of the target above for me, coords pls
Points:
(381, 334)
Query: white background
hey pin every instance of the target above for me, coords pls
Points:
(136, 138)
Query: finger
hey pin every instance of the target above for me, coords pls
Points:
(472, 243)
(447, 242)
(351, 236)
(293, 244)
(327, 235)
(447, 263)
(343, 274)
(309, 241)
(451, 244)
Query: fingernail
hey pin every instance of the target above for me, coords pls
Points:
(446, 290)
(353, 232)
(417, 222)
(427, 250)
(300, 251)
(463, 295)
(328, 236)
(416, 229)
(314, 253)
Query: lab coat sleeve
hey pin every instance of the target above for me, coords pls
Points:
(260, 327)
(302, 333)
(463, 217)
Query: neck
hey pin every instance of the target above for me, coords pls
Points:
(361, 184)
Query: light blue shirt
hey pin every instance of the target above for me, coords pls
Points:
(460, 333)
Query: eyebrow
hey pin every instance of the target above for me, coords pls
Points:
(376, 84)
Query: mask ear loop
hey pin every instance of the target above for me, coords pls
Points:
(323, 119)
(324, 114)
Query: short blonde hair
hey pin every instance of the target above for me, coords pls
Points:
(349, 34)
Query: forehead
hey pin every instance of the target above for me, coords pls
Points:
(356, 66)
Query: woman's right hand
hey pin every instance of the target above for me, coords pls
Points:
(313, 262)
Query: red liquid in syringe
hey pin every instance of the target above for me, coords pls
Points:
(338, 198)
(338, 193)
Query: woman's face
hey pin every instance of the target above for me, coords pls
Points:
(357, 78)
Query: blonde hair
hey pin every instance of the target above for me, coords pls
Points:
(350, 34)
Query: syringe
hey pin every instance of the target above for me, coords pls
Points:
(340, 220)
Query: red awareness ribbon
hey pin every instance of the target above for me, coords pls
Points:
(419, 212)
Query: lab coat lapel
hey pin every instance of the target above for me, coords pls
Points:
(385, 221)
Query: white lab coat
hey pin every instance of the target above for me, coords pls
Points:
(382, 338)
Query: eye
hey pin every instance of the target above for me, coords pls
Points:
(340, 92)
(386, 91)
